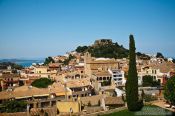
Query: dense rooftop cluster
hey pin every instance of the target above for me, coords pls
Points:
(99, 72)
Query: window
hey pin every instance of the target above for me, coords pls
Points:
(159, 80)
(154, 77)
(77, 76)
(119, 75)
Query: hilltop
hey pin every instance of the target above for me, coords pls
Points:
(107, 49)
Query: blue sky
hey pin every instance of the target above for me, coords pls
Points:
(41, 28)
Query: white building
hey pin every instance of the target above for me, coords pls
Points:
(157, 69)
(119, 92)
(117, 76)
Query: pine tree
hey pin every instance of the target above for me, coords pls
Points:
(132, 80)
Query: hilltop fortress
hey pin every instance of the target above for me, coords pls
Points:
(102, 42)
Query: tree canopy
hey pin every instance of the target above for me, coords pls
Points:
(13, 106)
(173, 60)
(81, 49)
(159, 55)
(169, 90)
(143, 56)
(66, 61)
(149, 81)
(4, 65)
(42, 83)
(109, 50)
(48, 60)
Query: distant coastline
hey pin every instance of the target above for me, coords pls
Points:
(23, 62)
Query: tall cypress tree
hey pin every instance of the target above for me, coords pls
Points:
(132, 80)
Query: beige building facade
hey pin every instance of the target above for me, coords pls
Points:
(94, 65)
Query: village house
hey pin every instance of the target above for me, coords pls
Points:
(80, 88)
(48, 71)
(158, 69)
(94, 65)
(102, 76)
(9, 80)
(75, 75)
(118, 76)
(8, 70)
(37, 97)
(59, 58)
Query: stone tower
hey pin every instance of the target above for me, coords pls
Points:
(87, 61)
(87, 57)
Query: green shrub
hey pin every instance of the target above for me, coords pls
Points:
(169, 90)
(13, 106)
(106, 83)
(148, 81)
(149, 98)
(42, 83)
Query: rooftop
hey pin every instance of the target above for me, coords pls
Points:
(78, 83)
(29, 91)
(102, 73)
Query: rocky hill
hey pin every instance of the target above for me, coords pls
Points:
(106, 48)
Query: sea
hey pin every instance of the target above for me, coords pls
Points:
(28, 63)
(23, 62)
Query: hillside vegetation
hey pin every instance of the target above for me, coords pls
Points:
(108, 50)
(4, 65)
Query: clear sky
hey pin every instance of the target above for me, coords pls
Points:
(41, 28)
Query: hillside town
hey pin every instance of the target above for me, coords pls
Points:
(82, 84)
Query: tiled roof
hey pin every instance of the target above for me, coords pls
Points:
(25, 91)
(102, 73)
(55, 64)
(78, 83)
(41, 66)
(164, 67)
(92, 99)
(103, 61)
(10, 76)
(113, 100)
